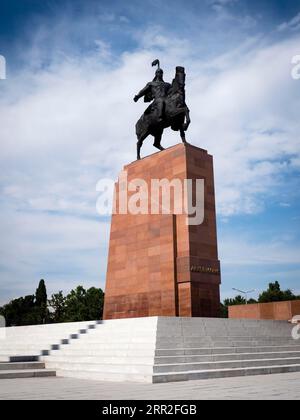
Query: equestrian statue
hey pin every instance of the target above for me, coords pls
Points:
(167, 108)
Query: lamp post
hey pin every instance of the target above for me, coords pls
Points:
(245, 292)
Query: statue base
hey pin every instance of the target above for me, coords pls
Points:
(158, 265)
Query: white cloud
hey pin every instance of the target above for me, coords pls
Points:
(246, 250)
(64, 249)
(223, 10)
(65, 126)
(252, 262)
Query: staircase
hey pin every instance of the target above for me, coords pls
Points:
(154, 349)
(117, 350)
(22, 348)
(178, 349)
(191, 348)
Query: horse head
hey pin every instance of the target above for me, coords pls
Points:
(178, 85)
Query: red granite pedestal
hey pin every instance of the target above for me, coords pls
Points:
(158, 265)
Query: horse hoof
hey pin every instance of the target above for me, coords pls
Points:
(158, 147)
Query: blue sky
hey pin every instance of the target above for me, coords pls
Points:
(67, 119)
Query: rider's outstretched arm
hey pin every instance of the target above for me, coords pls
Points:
(143, 92)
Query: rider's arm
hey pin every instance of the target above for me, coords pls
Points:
(143, 92)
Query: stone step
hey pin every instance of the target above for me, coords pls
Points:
(99, 339)
(231, 330)
(227, 333)
(45, 337)
(222, 343)
(50, 328)
(111, 346)
(215, 325)
(99, 352)
(223, 336)
(223, 357)
(23, 358)
(22, 365)
(189, 341)
(98, 366)
(27, 373)
(83, 358)
(223, 373)
(21, 353)
(29, 347)
(234, 334)
(226, 364)
(174, 377)
(105, 376)
(222, 350)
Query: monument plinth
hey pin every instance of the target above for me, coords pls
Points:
(158, 265)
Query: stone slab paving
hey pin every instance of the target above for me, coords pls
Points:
(279, 386)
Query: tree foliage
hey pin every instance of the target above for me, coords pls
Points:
(275, 294)
(21, 311)
(41, 302)
(41, 294)
(58, 305)
(84, 305)
(78, 305)
(237, 300)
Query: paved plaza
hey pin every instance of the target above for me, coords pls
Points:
(280, 386)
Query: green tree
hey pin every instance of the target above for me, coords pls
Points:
(41, 302)
(84, 305)
(20, 311)
(94, 302)
(237, 300)
(41, 294)
(223, 310)
(275, 294)
(251, 300)
(78, 305)
(58, 304)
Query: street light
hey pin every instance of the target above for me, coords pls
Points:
(244, 292)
